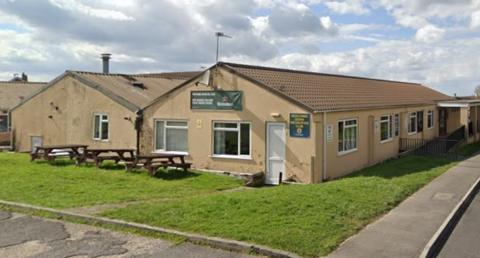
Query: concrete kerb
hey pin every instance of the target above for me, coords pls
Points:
(226, 244)
(434, 246)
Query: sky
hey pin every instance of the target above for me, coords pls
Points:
(433, 42)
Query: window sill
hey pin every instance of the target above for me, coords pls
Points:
(430, 128)
(231, 157)
(100, 140)
(343, 153)
(386, 141)
(172, 152)
(413, 133)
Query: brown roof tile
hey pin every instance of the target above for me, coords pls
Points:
(325, 92)
(12, 93)
(138, 90)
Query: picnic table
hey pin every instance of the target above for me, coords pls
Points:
(51, 152)
(100, 155)
(152, 162)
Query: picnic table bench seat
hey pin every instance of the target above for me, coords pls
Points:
(152, 162)
(50, 153)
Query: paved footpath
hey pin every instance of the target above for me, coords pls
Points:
(33, 237)
(406, 230)
(464, 242)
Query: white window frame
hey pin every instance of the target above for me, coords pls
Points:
(410, 116)
(238, 129)
(343, 152)
(165, 127)
(430, 115)
(100, 124)
(389, 121)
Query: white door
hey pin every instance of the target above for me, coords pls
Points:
(275, 153)
(35, 141)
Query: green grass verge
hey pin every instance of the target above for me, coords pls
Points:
(469, 149)
(64, 185)
(310, 220)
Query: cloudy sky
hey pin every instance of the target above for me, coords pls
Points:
(434, 42)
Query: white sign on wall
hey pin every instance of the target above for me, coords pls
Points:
(377, 126)
(329, 133)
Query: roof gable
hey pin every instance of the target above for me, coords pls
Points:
(132, 91)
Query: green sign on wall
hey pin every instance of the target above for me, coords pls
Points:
(216, 100)
(300, 125)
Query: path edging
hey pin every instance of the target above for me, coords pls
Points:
(434, 246)
(216, 242)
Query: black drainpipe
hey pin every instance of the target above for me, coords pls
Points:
(138, 128)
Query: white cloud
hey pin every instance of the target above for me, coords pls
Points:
(77, 6)
(475, 19)
(429, 34)
(348, 7)
(178, 35)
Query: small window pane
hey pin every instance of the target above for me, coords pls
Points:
(340, 136)
(159, 129)
(177, 139)
(351, 122)
(104, 117)
(397, 124)
(176, 123)
(225, 143)
(226, 125)
(245, 139)
(104, 130)
(96, 127)
(3, 123)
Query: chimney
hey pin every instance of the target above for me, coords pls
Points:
(105, 61)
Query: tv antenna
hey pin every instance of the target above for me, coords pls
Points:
(219, 35)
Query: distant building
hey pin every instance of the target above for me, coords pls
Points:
(97, 109)
(11, 94)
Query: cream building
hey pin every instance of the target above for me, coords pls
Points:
(292, 125)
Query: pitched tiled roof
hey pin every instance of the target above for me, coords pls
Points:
(325, 92)
(134, 89)
(173, 75)
(12, 93)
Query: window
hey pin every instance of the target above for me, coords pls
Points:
(397, 124)
(420, 121)
(430, 119)
(386, 128)
(231, 139)
(347, 135)
(412, 123)
(100, 127)
(3, 123)
(171, 135)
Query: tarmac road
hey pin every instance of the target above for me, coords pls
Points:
(464, 242)
(34, 237)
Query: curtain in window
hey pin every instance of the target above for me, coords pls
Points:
(177, 139)
(159, 137)
(96, 127)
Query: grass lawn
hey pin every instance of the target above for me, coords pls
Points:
(469, 149)
(310, 220)
(65, 185)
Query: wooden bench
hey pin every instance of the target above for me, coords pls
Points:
(154, 167)
(152, 162)
(50, 153)
(100, 155)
